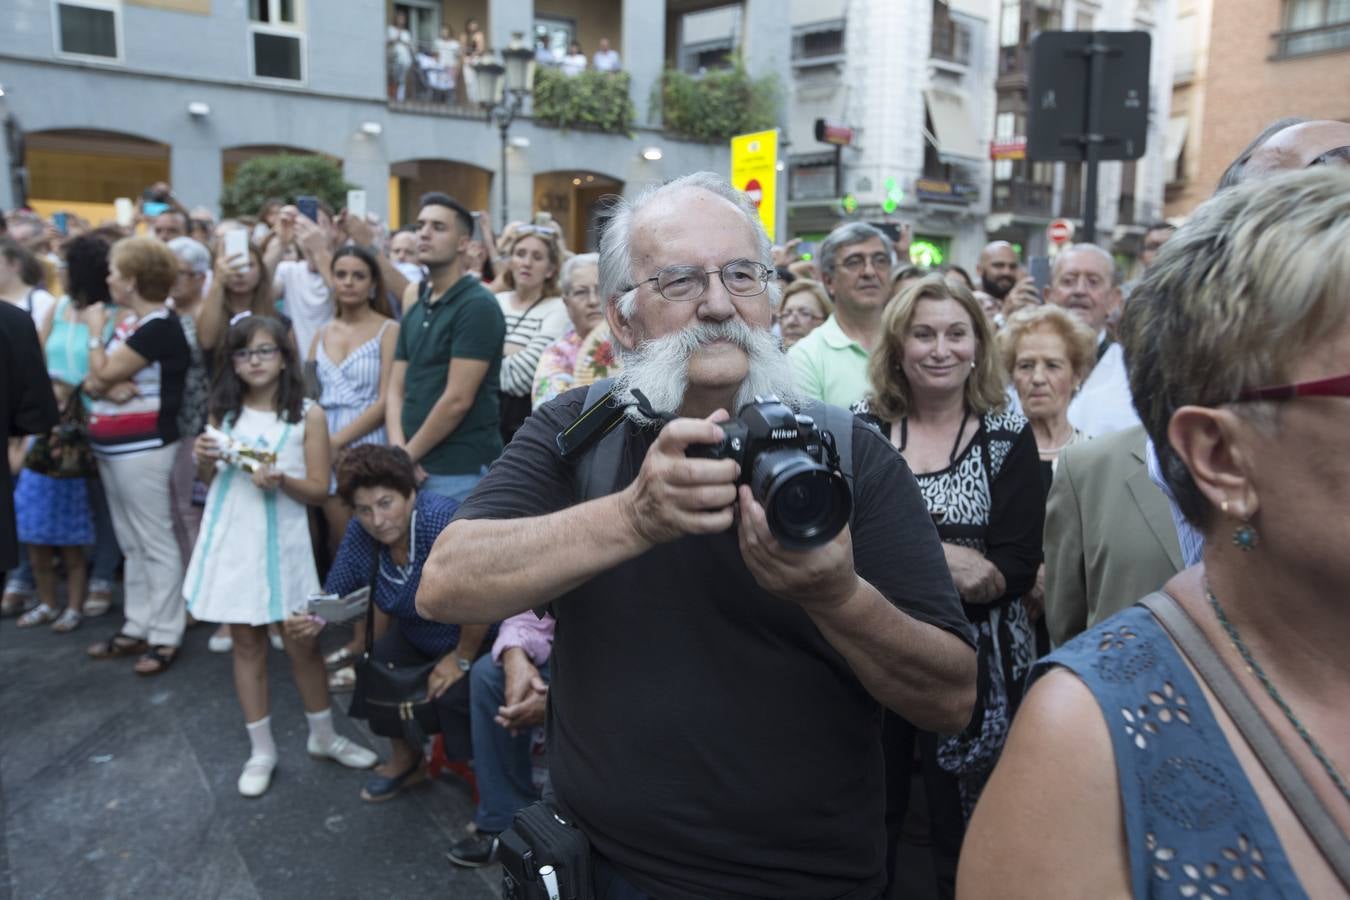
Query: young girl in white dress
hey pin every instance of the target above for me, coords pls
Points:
(253, 564)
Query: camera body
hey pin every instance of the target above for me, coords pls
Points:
(792, 469)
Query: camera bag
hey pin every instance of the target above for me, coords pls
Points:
(597, 470)
(540, 837)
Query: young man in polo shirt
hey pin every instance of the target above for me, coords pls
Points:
(442, 403)
(831, 362)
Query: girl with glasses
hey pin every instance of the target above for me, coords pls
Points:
(253, 564)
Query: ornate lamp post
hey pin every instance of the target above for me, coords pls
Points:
(502, 87)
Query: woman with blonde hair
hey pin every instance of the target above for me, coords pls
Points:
(805, 305)
(1123, 777)
(535, 316)
(239, 285)
(937, 393)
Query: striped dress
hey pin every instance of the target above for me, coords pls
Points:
(237, 574)
(351, 387)
(532, 330)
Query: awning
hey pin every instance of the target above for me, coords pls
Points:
(953, 124)
(1177, 128)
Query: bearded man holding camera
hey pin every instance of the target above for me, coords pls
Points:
(715, 704)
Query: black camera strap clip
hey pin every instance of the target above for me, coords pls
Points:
(595, 421)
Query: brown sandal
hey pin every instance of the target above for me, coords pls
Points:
(117, 645)
(156, 660)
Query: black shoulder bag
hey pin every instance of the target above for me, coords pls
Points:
(390, 697)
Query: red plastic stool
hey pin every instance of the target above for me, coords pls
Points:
(438, 764)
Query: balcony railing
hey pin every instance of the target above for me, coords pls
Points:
(431, 86)
(1308, 41)
(1023, 198)
(951, 41)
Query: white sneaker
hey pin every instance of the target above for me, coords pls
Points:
(220, 643)
(257, 776)
(353, 756)
(275, 638)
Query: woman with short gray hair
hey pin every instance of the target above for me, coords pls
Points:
(1238, 344)
(554, 374)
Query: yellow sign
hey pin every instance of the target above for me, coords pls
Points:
(754, 169)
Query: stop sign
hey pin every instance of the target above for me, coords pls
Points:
(1060, 231)
(754, 191)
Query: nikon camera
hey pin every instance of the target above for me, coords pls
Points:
(792, 468)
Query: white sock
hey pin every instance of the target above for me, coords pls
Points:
(321, 727)
(260, 738)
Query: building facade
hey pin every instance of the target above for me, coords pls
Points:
(909, 85)
(1240, 67)
(103, 97)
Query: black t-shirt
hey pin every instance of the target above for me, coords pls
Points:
(702, 732)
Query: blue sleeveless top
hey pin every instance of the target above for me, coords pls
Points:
(1193, 823)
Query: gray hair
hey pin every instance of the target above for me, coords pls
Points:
(1117, 276)
(192, 252)
(617, 275)
(846, 235)
(1257, 278)
(570, 267)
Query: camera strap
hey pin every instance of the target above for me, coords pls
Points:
(600, 415)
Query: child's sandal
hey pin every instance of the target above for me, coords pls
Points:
(67, 622)
(38, 615)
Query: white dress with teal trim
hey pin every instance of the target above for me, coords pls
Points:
(253, 563)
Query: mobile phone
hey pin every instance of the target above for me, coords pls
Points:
(543, 219)
(477, 227)
(356, 204)
(1039, 267)
(153, 207)
(333, 608)
(125, 211)
(807, 250)
(61, 221)
(236, 244)
(308, 206)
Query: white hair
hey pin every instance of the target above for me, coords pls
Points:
(659, 367)
(192, 252)
(1110, 260)
(570, 267)
(617, 275)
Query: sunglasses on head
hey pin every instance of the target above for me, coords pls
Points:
(1338, 386)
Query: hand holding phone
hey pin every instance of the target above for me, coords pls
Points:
(308, 206)
(125, 211)
(236, 249)
(356, 204)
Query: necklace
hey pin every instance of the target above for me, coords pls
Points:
(960, 431)
(1255, 668)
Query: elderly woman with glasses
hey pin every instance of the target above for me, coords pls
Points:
(804, 306)
(580, 279)
(535, 317)
(1237, 343)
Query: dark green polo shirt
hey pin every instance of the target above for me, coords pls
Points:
(464, 323)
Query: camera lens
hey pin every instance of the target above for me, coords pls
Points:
(806, 503)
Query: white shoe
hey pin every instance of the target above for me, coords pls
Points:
(275, 638)
(257, 776)
(353, 756)
(220, 643)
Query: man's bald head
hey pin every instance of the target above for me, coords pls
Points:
(997, 268)
(1287, 145)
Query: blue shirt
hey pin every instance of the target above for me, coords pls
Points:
(395, 590)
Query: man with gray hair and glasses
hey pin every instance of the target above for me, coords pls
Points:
(714, 712)
(831, 362)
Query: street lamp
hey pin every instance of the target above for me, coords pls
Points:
(501, 101)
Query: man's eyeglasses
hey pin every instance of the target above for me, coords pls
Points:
(855, 263)
(265, 353)
(1325, 387)
(1339, 157)
(742, 277)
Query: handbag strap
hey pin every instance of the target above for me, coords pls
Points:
(1299, 794)
(370, 601)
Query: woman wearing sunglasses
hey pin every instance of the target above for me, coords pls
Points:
(1199, 745)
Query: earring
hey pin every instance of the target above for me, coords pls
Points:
(1245, 537)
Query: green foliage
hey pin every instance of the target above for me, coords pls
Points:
(590, 100)
(717, 105)
(287, 176)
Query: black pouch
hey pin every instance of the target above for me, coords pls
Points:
(540, 838)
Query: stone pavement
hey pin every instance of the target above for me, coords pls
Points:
(116, 785)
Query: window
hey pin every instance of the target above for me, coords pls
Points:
(276, 40)
(554, 34)
(820, 41)
(88, 28)
(1313, 26)
(1010, 31)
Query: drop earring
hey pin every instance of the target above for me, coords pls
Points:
(1245, 537)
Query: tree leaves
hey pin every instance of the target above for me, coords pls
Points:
(591, 100)
(287, 176)
(717, 105)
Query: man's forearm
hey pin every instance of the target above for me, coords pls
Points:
(923, 673)
(440, 423)
(464, 579)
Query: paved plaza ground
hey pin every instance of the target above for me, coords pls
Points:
(115, 785)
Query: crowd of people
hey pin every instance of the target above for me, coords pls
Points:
(391, 416)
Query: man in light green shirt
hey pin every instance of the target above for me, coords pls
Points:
(831, 362)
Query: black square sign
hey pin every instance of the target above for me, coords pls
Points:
(1062, 87)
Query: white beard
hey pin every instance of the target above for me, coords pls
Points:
(659, 368)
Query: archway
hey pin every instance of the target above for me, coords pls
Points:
(410, 179)
(83, 171)
(575, 199)
(231, 158)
